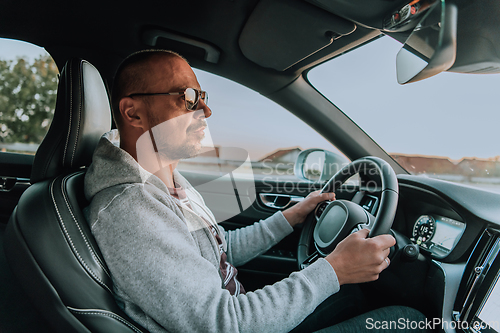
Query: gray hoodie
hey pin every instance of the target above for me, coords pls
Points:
(165, 264)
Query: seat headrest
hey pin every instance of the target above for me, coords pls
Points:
(81, 116)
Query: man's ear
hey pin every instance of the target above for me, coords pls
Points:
(131, 114)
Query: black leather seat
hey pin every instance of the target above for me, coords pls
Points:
(48, 243)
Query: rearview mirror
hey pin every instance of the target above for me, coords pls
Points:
(318, 165)
(431, 47)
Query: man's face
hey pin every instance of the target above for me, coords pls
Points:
(177, 131)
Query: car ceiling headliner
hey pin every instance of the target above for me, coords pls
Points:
(104, 32)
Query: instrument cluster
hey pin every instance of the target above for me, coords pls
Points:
(437, 234)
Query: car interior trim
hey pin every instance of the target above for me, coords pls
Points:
(151, 37)
(453, 276)
(483, 204)
(480, 275)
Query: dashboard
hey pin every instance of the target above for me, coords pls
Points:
(457, 230)
(454, 278)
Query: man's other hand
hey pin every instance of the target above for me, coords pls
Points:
(359, 259)
(298, 213)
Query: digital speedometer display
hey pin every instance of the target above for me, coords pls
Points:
(423, 230)
(438, 234)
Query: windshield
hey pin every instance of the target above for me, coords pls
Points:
(444, 127)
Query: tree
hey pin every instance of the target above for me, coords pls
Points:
(27, 99)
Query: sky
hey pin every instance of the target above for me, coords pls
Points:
(10, 49)
(452, 115)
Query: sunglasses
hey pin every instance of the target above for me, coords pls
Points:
(191, 97)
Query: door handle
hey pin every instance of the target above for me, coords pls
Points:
(279, 201)
(8, 183)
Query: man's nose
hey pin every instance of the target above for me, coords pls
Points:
(203, 110)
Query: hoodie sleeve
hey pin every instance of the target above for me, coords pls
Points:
(244, 244)
(164, 283)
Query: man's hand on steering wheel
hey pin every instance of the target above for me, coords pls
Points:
(298, 213)
(360, 256)
(359, 259)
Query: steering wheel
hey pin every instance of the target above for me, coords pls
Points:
(337, 219)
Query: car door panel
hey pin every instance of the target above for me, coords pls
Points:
(15, 171)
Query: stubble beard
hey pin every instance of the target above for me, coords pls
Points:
(174, 153)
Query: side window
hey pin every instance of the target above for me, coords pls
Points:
(271, 136)
(28, 89)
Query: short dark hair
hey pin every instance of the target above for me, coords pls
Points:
(131, 77)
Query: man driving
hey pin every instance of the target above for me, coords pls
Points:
(172, 266)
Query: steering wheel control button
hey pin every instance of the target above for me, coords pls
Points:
(410, 252)
(320, 209)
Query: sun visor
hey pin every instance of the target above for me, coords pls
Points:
(280, 33)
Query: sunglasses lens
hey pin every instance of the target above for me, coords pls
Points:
(191, 97)
(204, 97)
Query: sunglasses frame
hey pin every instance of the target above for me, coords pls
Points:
(199, 94)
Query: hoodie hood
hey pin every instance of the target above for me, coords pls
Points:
(113, 166)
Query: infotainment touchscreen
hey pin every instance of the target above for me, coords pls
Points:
(488, 317)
